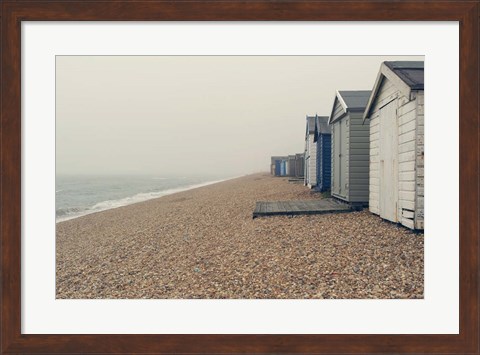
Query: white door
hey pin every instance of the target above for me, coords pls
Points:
(389, 162)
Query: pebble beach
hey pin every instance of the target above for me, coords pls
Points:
(204, 244)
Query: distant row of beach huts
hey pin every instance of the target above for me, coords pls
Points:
(370, 150)
(290, 165)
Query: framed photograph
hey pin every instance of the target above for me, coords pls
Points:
(239, 177)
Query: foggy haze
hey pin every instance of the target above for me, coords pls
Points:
(171, 115)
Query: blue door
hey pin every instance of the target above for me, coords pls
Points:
(324, 161)
(319, 162)
(277, 167)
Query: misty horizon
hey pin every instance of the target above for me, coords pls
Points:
(152, 175)
(194, 115)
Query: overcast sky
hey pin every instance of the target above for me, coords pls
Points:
(194, 115)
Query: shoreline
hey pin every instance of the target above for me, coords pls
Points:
(159, 194)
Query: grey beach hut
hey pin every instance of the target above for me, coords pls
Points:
(350, 147)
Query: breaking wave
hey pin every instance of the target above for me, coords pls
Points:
(65, 214)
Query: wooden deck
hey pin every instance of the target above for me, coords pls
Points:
(296, 180)
(276, 208)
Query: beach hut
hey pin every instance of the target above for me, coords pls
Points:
(282, 167)
(277, 162)
(299, 164)
(278, 165)
(350, 147)
(291, 165)
(310, 179)
(275, 165)
(395, 112)
(324, 153)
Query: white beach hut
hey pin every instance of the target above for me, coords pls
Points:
(395, 112)
(310, 176)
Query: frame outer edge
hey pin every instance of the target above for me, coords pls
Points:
(10, 131)
(469, 122)
(10, 156)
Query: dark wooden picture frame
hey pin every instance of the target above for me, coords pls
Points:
(13, 12)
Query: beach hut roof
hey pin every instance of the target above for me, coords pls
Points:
(321, 126)
(350, 100)
(407, 76)
(278, 157)
(310, 125)
(354, 100)
(411, 72)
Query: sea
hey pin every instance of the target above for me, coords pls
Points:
(77, 196)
